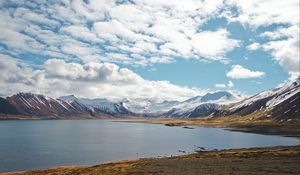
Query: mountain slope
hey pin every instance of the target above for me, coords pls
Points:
(29, 104)
(197, 106)
(282, 103)
(95, 106)
(7, 108)
(40, 105)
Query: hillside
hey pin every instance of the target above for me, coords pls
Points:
(279, 103)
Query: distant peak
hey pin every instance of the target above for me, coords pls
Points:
(216, 96)
(68, 98)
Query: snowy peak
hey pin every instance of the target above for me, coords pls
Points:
(217, 96)
(192, 107)
(36, 104)
(98, 105)
(68, 98)
(40, 105)
(282, 102)
(142, 106)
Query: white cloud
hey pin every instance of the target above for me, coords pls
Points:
(155, 32)
(222, 86)
(230, 84)
(92, 80)
(265, 12)
(283, 42)
(239, 72)
(285, 51)
(213, 45)
(80, 32)
(253, 46)
(99, 72)
(26, 14)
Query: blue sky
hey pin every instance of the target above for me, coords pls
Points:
(206, 75)
(147, 49)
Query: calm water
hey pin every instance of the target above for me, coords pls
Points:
(41, 144)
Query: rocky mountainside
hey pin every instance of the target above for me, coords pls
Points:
(29, 104)
(40, 105)
(280, 103)
(95, 106)
(7, 108)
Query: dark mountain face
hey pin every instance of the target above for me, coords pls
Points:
(39, 105)
(7, 108)
(204, 110)
(281, 103)
(32, 104)
(95, 106)
(288, 109)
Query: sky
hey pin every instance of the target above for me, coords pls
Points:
(142, 49)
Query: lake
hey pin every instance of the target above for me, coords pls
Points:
(49, 143)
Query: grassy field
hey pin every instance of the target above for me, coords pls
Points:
(261, 161)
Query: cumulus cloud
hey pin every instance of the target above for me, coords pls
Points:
(99, 72)
(265, 12)
(283, 42)
(285, 51)
(146, 33)
(222, 86)
(93, 80)
(96, 38)
(239, 72)
(213, 45)
(253, 46)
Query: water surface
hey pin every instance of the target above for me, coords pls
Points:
(50, 143)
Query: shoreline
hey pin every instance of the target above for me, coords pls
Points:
(266, 160)
(265, 127)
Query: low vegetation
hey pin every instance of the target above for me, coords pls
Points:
(276, 160)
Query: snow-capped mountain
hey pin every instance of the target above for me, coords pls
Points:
(220, 97)
(98, 105)
(280, 103)
(142, 106)
(40, 105)
(201, 105)
(283, 102)
(193, 107)
(30, 104)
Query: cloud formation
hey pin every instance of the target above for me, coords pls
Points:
(282, 43)
(138, 33)
(239, 72)
(222, 86)
(90, 43)
(92, 80)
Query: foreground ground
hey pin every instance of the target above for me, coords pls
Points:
(261, 161)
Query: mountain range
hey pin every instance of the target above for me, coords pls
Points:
(277, 103)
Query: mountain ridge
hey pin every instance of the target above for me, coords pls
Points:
(282, 103)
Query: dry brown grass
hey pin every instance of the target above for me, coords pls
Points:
(276, 160)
